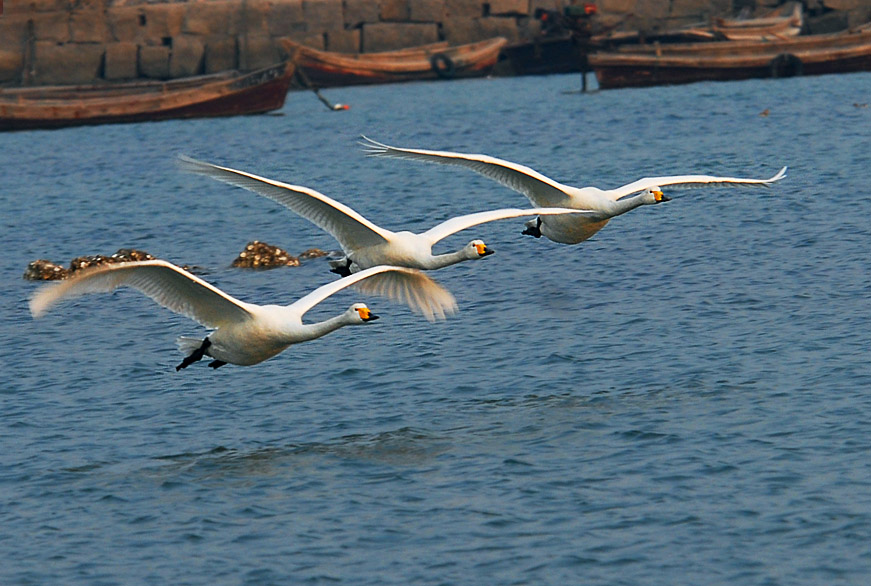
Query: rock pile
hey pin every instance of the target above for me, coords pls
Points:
(312, 253)
(259, 255)
(46, 270)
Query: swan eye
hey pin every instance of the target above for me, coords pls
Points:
(364, 313)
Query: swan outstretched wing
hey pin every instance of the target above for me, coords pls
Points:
(169, 285)
(413, 288)
(541, 191)
(459, 223)
(347, 226)
(690, 181)
(409, 286)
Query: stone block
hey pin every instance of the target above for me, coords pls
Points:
(154, 61)
(344, 41)
(220, 54)
(286, 18)
(68, 63)
(426, 10)
(315, 41)
(460, 31)
(160, 22)
(651, 9)
(33, 6)
(509, 7)
(11, 65)
(544, 5)
(358, 12)
(323, 15)
(495, 26)
(390, 36)
(255, 17)
(845, 4)
(394, 10)
(98, 5)
(121, 61)
(213, 18)
(125, 23)
(186, 57)
(88, 26)
(619, 6)
(692, 8)
(13, 32)
(257, 51)
(464, 8)
(52, 26)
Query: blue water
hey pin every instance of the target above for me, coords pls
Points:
(683, 399)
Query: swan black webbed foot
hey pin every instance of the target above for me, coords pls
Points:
(342, 270)
(195, 356)
(534, 231)
(216, 363)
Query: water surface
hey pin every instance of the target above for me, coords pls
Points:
(682, 399)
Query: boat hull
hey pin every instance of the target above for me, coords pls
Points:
(321, 69)
(726, 61)
(257, 92)
(546, 56)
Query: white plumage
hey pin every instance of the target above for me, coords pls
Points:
(364, 243)
(244, 333)
(547, 193)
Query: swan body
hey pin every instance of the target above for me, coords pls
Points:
(243, 333)
(364, 243)
(547, 193)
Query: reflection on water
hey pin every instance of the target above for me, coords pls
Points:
(401, 447)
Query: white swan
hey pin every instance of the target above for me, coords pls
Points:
(243, 333)
(545, 192)
(365, 244)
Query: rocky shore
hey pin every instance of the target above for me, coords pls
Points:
(45, 42)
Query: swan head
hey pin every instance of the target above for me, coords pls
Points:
(361, 314)
(477, 249)
(654, 195)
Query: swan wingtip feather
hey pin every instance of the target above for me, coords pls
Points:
(372, 147)
(37, 305)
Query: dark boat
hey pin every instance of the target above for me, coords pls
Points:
(545, 55)
(650, 65)
(220, 94)
(428, 62)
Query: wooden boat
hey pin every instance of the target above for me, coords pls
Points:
(220, 94)
(782, 23)
(436, 61)
(650, 65)
(769, 27)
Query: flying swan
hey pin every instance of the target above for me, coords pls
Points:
(547, 193)
(365, 244)
(243, 333)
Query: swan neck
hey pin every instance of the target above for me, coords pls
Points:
(322, 328)
(439, 261)
(628, 204)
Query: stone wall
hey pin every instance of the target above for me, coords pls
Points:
(82, 41)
